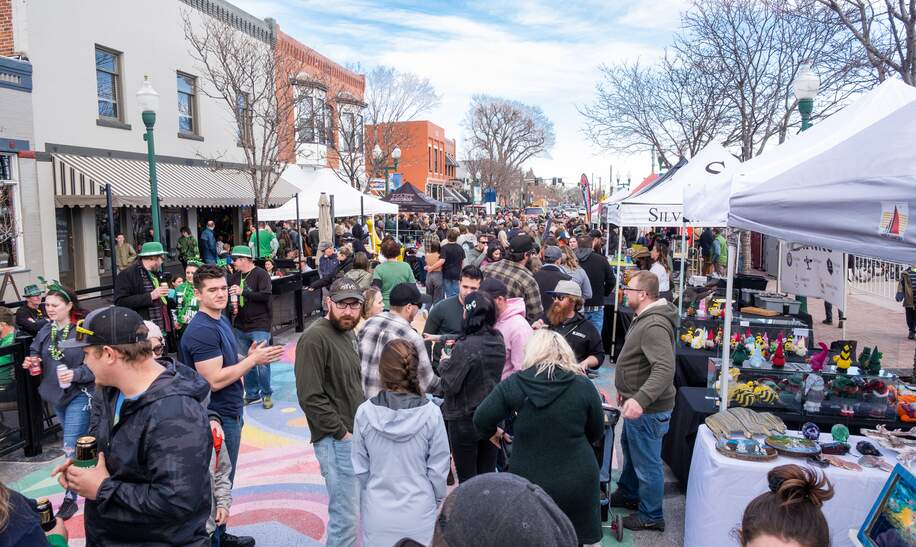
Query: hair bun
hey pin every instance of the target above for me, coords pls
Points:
(796, 484)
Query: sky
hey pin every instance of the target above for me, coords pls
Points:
(543, 53)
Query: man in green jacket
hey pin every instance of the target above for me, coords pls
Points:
(264, 243)
(187, 247)
(645, 387)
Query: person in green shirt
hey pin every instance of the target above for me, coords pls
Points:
(265, 241)
(184, 295)
(392, 272)
(187, 246)
(7, 335)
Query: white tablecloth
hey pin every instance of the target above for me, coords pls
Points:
(720, 488)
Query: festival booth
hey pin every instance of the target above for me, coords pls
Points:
(847, 185)
(410, 200)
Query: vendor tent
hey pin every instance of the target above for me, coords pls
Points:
(707, 184)
(314, 182)
(410, 200)
(848, 183)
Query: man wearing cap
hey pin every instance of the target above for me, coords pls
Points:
(329, 388)
(30, 317)
(510, 322)
(139, 288)
(327, 261)
(565, 317)
(380, 329)
(250, 291)
(550, 274)
(151, 484)
(519, 281)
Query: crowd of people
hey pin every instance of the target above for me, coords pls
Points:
(484, 381)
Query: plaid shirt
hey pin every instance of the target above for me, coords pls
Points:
(378, 331)
(520, 283)
(429, 238)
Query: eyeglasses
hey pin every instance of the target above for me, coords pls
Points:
(344, 305)
(626, 288)
(157, 349)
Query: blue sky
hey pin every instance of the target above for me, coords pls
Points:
(542, 53)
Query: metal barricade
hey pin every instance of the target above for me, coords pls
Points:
(875, 277)
(19, 397)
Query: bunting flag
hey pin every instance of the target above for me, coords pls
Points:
(586, 197)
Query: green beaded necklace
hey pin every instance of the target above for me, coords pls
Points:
(53, 350)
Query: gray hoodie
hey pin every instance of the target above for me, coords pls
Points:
(401, 456)
(645, 366)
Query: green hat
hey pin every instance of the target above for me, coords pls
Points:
(152, 248)
(241, 250)
(32, 290)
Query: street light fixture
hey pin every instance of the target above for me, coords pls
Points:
(148, 101)
(379, 155)
(806, 85)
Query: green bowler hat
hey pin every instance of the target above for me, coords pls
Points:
(152, 248)
(241, 250)
(31, 290)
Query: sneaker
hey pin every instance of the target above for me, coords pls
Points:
(827, 321)
(618, 500)
(252, 401)
(229, 540)
(268, 402)
(912, 336)
(67, 509)
(638, 521)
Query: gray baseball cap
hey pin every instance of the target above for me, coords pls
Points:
(566, 287)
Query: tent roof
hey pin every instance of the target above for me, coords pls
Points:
(314, 182)
(847, 183)
(411, 200)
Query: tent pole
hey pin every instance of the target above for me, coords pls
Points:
(616, 295)
(845, 297)
(680, 298)
(299, 232)
(779, 268)
(729, 314)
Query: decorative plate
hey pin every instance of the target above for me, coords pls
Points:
(745, 449)
(793, 446)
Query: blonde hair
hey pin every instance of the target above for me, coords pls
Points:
(569, 258)
(548, 351)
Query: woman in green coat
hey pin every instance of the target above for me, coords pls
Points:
(558, 418)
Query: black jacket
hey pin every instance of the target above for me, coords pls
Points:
(23, 526)
(256, 314)
(30, 321)
(130, 290)
(158, 455)
(583, 337)
(600, 275)
(548, 277)
(469, 375)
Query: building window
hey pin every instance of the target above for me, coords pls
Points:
(187, 104)
(108, 83)
(10, 215)
(351, 132)
(245, 120)
(314, 123)
(429, 159)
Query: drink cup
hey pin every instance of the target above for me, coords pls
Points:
(60, 370)
(35, 367)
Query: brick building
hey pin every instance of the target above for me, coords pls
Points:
(428, 157)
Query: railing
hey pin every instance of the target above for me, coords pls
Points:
(875, 277)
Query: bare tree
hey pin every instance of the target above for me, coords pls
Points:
(349, 146)
(256, 83)
(504, 134)
(886, 30)
(393, 97)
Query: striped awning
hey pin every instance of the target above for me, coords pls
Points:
(79, 181)
(450, 195)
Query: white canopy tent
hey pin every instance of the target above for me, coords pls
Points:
(847, 184)
(314, 182)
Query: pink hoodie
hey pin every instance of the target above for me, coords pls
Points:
(516, 331)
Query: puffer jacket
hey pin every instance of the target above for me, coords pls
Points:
(157, 454)
(469, 375)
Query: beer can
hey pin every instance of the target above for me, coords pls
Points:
(60, 370)
(87, 452)
(45, 514)
(35, 368)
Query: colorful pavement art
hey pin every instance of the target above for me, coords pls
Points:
(279, 496)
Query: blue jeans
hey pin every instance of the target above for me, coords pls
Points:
(596, 317)
(214, 539)
(74, 421)
(343, 490)
(642, 476)
(450, 287)
(257, 380)
(232, 436)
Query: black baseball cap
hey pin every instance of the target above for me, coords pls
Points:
(521, 243)
(405, 293)
(493, 287)
(111, 326)
(345, 288)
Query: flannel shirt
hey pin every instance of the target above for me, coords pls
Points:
(377, 331)
(520, 283)
(428, 239)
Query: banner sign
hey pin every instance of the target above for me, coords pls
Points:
(586, 197)
(814, 271)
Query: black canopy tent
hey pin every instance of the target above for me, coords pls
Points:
(410, 200)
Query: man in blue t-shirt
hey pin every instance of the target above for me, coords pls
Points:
(209, 345)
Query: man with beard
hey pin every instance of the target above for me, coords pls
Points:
(329, 387)
(565, 317)
(140, 288)
(550, 274)
(380, 329)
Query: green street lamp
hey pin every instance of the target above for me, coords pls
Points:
(148, 100)
(380, 156)
(806, 85)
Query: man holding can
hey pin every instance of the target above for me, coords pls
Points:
(141, 288)
(154, 492)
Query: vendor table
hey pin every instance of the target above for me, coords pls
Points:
(721, 488)
(691, 366)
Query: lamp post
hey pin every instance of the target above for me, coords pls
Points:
(379, 156)
(148, 100)
(805, 85)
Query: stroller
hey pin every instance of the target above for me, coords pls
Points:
(611, 416)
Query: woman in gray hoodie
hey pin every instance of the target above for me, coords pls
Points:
(400, 454)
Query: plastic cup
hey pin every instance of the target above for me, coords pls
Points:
(35, 368)
(60, 370)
